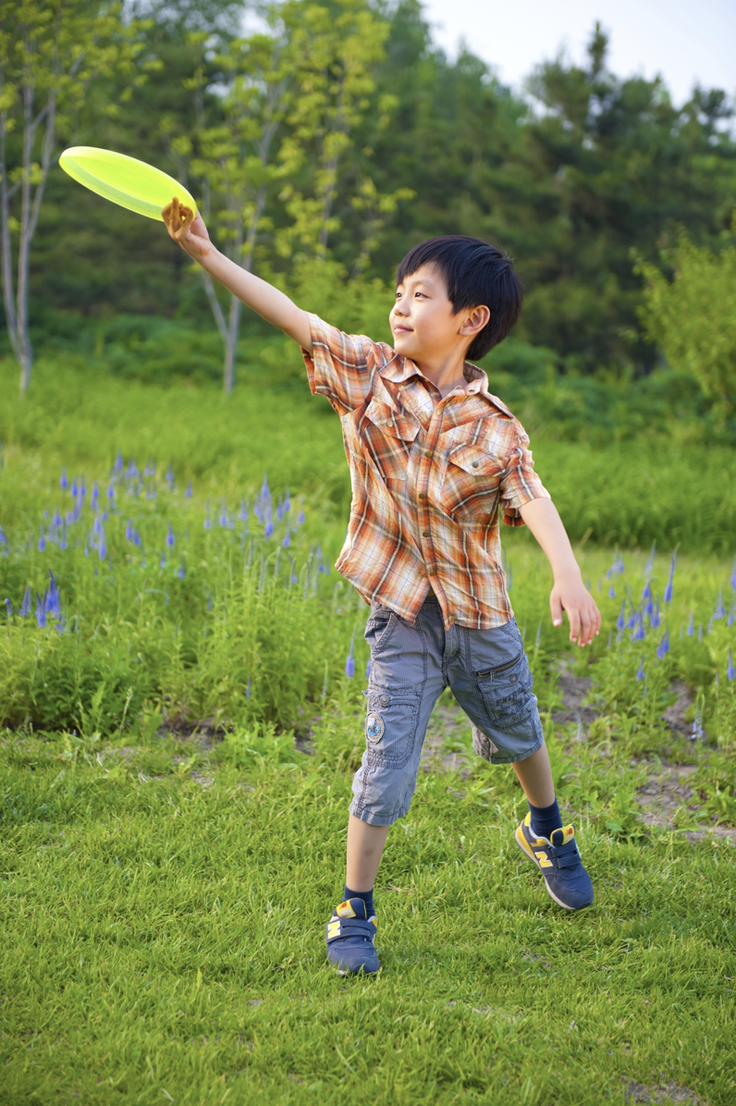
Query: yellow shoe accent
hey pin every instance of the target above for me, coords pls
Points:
(345, 910)
(333, 929)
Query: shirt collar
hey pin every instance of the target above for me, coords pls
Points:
(400, 370)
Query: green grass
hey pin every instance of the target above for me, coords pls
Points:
(163, 940)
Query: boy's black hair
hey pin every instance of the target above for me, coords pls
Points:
(475, 273)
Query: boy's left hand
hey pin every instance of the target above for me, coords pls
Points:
(571, 595)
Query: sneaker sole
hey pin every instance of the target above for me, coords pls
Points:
(522, 843)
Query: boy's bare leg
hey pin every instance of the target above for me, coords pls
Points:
(365, 849)
(535, 776)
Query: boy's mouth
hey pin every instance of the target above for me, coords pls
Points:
(399, 329)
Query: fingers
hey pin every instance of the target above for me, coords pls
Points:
(178, 218)
(555, 607)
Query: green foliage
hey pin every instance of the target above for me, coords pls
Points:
(693, 317)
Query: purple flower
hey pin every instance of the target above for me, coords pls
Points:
(691, 626)
(730, 670)
(3, 539)
(170, 537)
(733, 575)
(350, 662)
(188, 492)
(25, 608)
(243, 512)
(111, 492)
(97, 525)
(170, 476)
(279, 511)
(95, 497)
(118, 466)
(640, 670)
(129, 531)
(720, 611)
(698, 733)
(102, 547)
(300, 517)
(287, 500)
(731, 614)
(287, 538)
(40, 611)
(268, 531)
(64, 482)
(654, 617)
(668, 591)
(62, 539)
(639, 632)
(265, 491)
(182, 572)
(162, 562)
(612, 592)
(223, 514)
(137, 539)
(71, 516)
(664, 646)
(57, 519)
(9, 608)
(41, 542)
(647, 593)
(650, 562)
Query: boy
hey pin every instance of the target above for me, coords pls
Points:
(433, 456)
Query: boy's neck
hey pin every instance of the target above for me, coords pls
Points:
(446, 374)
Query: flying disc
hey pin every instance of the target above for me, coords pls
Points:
(124, 180)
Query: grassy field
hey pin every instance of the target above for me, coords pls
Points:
(181, 728)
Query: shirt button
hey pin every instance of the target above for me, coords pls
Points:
(428, 454)
(431, 572)
(475, 464)
(422, 495)
(425, 533)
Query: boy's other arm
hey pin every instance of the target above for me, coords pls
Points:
(271, 304)
(569, 592)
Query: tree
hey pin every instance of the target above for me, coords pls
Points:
(50, 51)
(271, 160)
(693, 316)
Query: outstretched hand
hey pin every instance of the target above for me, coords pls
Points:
(190, 233)
(570, 594)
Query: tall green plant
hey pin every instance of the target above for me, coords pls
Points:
(693, 316)
(50, 51)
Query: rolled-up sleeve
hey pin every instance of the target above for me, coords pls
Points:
(341, 366)
(520, 483)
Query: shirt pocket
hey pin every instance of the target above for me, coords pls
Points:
(471, 487)
(387, 436)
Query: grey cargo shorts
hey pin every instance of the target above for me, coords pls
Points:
(410, 666)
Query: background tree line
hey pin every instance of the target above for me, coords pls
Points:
(331, 138)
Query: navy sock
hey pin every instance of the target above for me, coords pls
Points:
(366, 896)
(545, 819)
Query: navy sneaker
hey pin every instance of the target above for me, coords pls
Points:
(558, 859)
(350, 937)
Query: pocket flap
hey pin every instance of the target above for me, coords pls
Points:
(405, 427)
(475, 461)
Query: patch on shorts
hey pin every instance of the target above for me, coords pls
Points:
(374, 727)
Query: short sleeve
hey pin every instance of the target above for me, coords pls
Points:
(520, 483)
(341, 366)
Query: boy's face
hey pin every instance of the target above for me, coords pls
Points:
(422, 319)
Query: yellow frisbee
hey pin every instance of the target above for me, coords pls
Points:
(124, 180)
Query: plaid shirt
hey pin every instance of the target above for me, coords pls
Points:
(428, 477)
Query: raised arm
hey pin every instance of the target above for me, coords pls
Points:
(271, 304)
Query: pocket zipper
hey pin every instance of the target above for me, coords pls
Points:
(501, 668)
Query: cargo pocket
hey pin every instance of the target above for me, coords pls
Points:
(507, 691)
(390, 727)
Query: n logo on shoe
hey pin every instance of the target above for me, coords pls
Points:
(543, 859)
(333, 929)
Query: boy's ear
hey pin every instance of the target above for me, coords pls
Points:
(475, 320)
